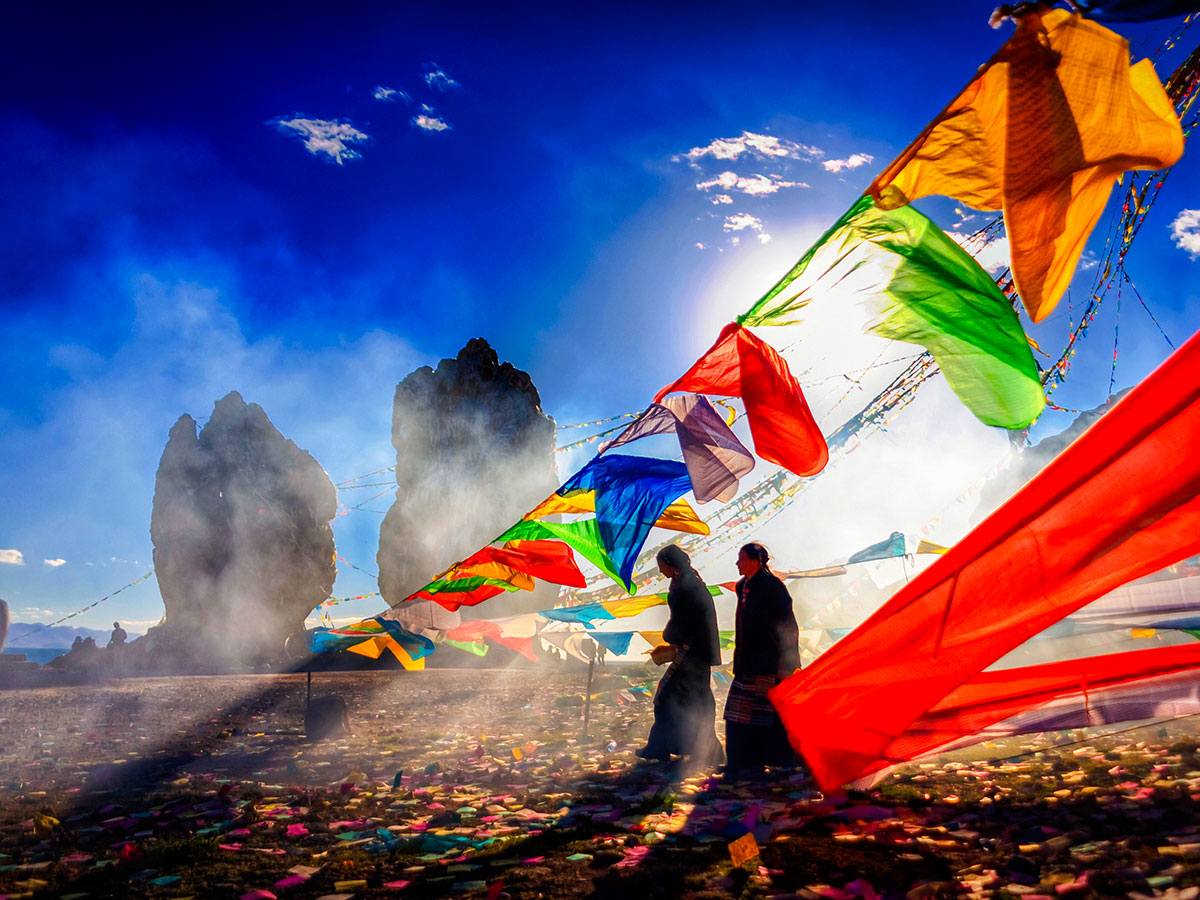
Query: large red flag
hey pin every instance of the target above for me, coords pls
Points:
(992, 697)
(740, 364)
(1118, 503)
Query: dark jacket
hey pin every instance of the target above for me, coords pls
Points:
(693, 619)
(767, 641)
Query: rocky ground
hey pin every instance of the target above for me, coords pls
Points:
(480, 784)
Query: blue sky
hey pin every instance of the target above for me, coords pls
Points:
(304, 203)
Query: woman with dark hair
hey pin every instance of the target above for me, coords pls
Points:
(684, 709)
(766, 651)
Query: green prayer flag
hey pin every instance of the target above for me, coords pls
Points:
(583, 535)
(462, 585)
(479, 648)
(920, 287)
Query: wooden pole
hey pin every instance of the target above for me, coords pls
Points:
(587, 698)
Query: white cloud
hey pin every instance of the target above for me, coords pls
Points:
(12, 557)
(699, 246)
(54, 563)
(992, 255)
(389, 95)
(430, 123)
(734, 241)
(764, 238)
(754, 185)
(742, 221)
(33, 612)
(324, 137)
(721, 198)
(1185, 231)
(764, 145)
(851, 162)
(437, 79)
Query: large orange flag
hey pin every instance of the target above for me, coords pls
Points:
(1042, 132)
(1120, 502)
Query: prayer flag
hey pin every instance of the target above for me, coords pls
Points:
(886, 549)
(1042, 132)
(631, 493)
(714, 457)
(1122, 500)
(742, 365)
(550, 561)
(583, 535)
(919, 286)
(679, 516)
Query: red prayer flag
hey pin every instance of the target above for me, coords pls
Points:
(479, 629)
(992, 697)
(552, 561)
(1118, 503)
(742, 365)
(453, 600)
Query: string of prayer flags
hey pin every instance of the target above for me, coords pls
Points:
(919, 286)
(714, 457)
(890, 547)
(742, 365)
(1076, 531)
(1042, 132)
(631, 493)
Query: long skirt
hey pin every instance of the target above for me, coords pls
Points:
(754, 733)
(684, 714)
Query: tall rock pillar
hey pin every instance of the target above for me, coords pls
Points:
(243, 548)
(474, 452)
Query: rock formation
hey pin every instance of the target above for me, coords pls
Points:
(474, 452)
(243, 548)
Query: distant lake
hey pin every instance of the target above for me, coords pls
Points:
(39, 655)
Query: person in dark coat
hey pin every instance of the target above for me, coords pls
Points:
(766, 651)
(684, 710)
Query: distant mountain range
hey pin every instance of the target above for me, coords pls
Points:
(29, 634)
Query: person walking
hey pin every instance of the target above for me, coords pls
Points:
(684, 709)
(766, 651)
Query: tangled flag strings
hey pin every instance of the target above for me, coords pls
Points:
(1073, 533)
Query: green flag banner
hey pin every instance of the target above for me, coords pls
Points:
(917, 285)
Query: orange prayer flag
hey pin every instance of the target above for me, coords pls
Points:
(743, 849)
(1042, 132)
